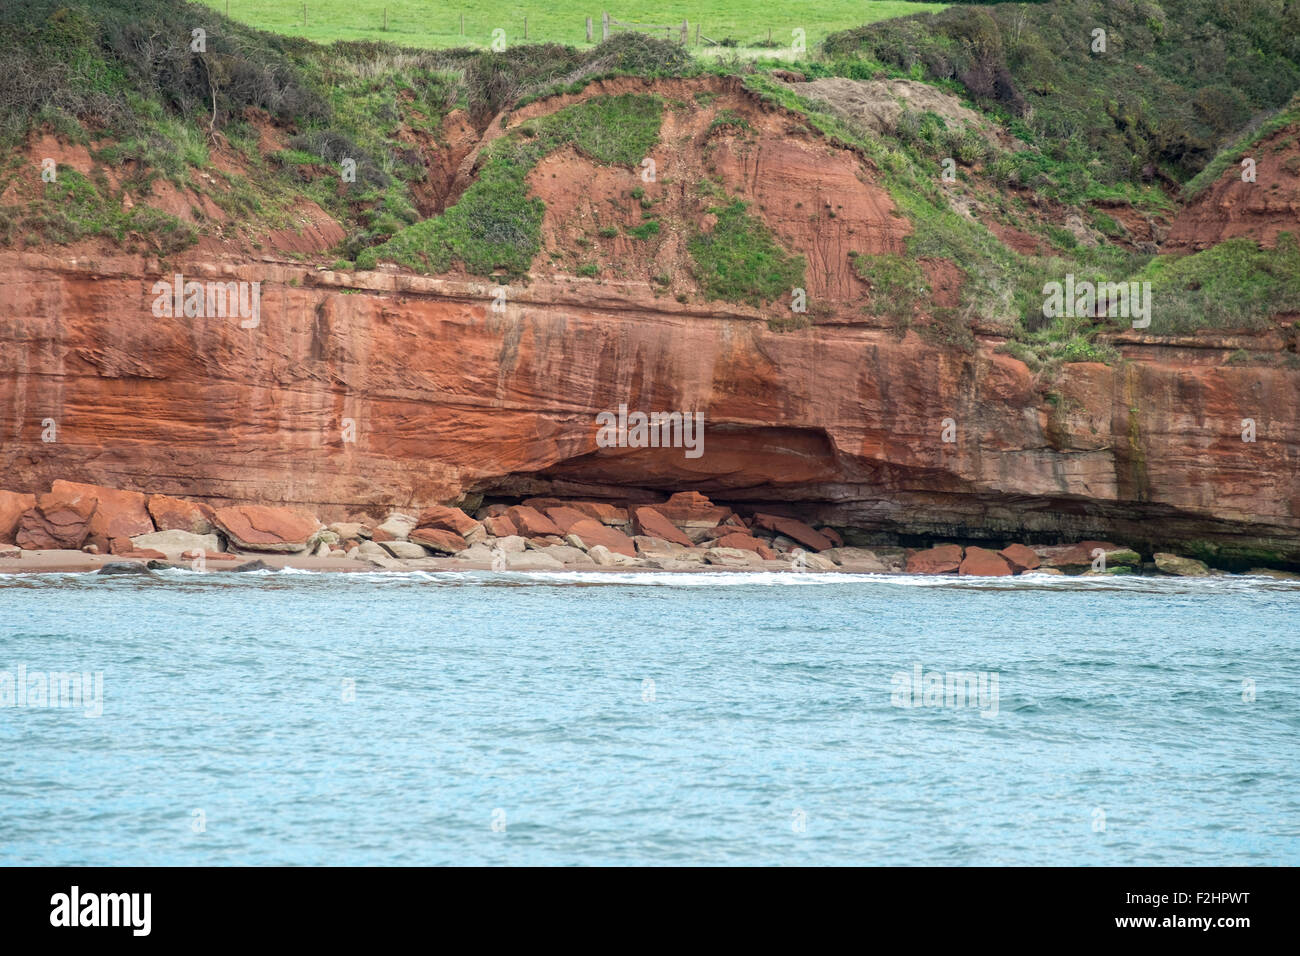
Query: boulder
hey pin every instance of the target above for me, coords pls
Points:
(119, 514)
(530, 522)
(565, 517)
(444, 518)
(690, 509)
(396, 527)
(591, 533)
(649, 522)
(1181, 567)
(1275, 574)
(604, 557)
(124, 567)
(178, 514)
(766, 553)
(257, 564)
(175, 543)
(371, 550)
(58, 520)
(1079, 557)
(794, 529)
(600, 511)
(809, 561)
(732, 558)
(532, 561)
(861, 560)
(569, 555)
(350, 530)
(265, 528)
(439, 540)
(646, 544)
(12, 507)
(405, 550)
(944, 559)
(981, 562)
(1020, 557)
(500, 527)
(479, 553)
(738, 539)
(510, 544)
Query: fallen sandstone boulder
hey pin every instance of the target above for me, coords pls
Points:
(864, 560)
(124, 567)
(174, 543)
(738, 539)
(440, 540)
(590, 533)
(944, 559)
(1074, 558)
(690, 509)
(119, 514)
(405, 550)
(1179, 566)
(604, 557)
(12, 507)
(265, 528)
(1020, 558)
(732, 558)
(566, 517)
(649, 522)
(59, 521)
(445, 518)
(795, 530)
(396, 527)
(531, 523)
(569, 556)
(500, 526)
(600, 511)
(178, 514)
(532, 561)
(982, 562)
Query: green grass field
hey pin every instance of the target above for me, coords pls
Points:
(745, 24)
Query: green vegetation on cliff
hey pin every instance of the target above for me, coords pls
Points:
(1175, 77)
(1063, 125)
(497, 225)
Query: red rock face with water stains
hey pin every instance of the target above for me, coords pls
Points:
(839, 423)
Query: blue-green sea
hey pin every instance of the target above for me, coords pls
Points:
(638, 718)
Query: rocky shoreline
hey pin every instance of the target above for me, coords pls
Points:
(78, 527)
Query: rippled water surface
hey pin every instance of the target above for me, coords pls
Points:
(637, 718)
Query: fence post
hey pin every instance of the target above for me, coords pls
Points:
(304, 14)
(462, 24)
(686, 31)
(604, 25)
(697, 32)
(525, 28)
(385, 19)
(588, 29)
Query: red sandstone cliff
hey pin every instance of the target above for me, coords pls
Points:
(842, 420)
(449, 397)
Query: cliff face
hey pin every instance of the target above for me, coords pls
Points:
(368, 390)
(842, 421)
